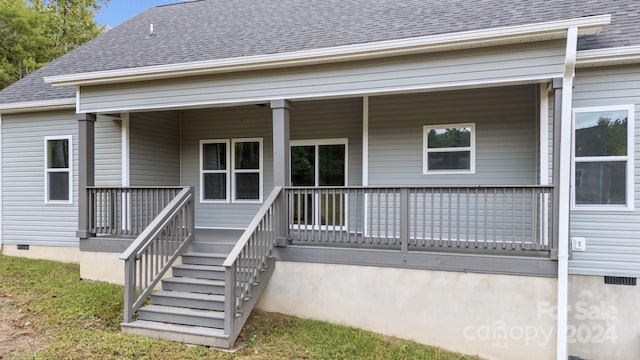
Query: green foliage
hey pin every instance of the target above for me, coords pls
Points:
(616, 139)
(453, 137)
(79, 319)
(34, 33)
(22, 41)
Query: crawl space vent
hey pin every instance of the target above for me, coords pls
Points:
(619, 280)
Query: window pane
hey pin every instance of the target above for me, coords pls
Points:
(443, 138)
(247, 155)
(58, 185)
(58, 154)
(601, 182)
(601, 133)
(303, 163)
(449, 160)
(215, 186)
(248, 186)
(331, 165)
(214, 156)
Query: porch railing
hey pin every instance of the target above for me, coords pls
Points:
(427, 218)
(126, 211)
(250, 264)
(153, 252)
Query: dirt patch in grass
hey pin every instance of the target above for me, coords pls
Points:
(17, 331)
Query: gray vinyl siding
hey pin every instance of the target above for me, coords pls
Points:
(108, 151)
(220, 124)
(154, 148)
(506, 135)
(613, 237)
(332, 119)
(504, 64)
(308, 120)
(26, 218)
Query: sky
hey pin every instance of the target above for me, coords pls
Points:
(119, 11)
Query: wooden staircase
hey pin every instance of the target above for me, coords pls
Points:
(190, 307)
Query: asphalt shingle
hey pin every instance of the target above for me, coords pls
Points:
(217, 29)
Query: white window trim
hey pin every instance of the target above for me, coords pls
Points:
(69, 138)
(234, 171)
(317, 143)
(227, 172)
(426, 150)
(629, 158)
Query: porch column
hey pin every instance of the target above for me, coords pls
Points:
(557, 128)
(281, 168)
(86, 170)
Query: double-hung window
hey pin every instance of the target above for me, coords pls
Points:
(58, 178)
(247, 170)
(603, 158)
(449, 149)
(231, 170)
(214, 170)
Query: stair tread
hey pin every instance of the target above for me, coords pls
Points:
(183, 329)
(206, 255)
(188, 295)
(174, 310)
(194, 281)
(199, 267)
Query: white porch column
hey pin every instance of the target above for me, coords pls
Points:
(86, 170)
(281, 159)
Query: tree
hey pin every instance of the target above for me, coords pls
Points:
(69, 23)
(34, 33)
(22, 41)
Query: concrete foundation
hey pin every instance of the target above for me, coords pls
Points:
(55, 253)
(493, 316)
(102, 266)
(604, 319)
(106, 266)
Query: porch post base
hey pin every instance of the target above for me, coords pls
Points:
(282, 241)
(84, 234)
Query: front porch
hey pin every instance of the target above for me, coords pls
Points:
(345, 181)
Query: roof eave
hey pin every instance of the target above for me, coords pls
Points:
(443, 42)
(35, 106)
(608, 56)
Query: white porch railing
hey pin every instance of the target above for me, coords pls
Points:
(451, 218)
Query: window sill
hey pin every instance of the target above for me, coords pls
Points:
(449, 172)
(603, 208)
(58, 202)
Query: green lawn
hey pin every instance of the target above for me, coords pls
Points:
(53, 314)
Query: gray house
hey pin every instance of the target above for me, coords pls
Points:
(459, 173)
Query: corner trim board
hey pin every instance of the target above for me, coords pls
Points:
(365, 141)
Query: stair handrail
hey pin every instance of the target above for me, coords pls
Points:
(153, 252)
(247, 260)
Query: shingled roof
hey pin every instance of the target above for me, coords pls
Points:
(218, 29)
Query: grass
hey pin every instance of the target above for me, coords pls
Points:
(78, 319)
